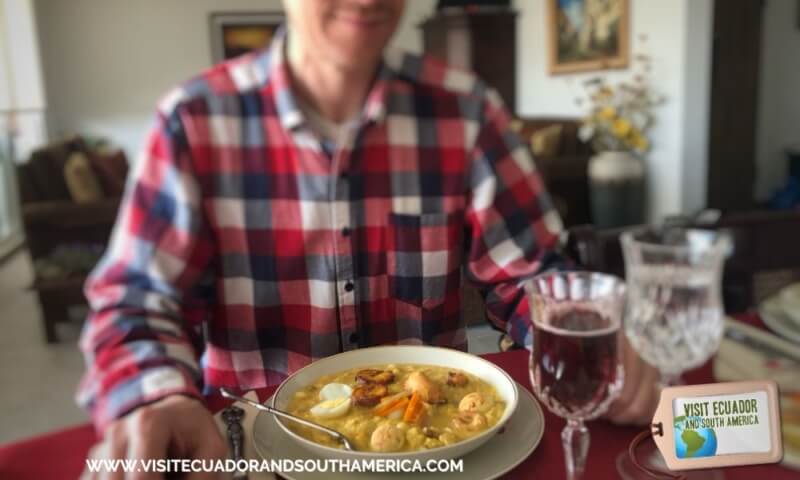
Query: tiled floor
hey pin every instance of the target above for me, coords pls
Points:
(37, 381)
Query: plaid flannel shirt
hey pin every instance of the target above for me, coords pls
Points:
(236, 220)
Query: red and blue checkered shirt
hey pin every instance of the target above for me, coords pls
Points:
(243, 251)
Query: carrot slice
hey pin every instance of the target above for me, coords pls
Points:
(401, 406)
(393, 398)
(391, 406)
(417, 416)
(414, 409)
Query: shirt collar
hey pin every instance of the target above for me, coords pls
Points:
(274, 67)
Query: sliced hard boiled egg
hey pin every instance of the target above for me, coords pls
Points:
(332, 391)
(331, 408)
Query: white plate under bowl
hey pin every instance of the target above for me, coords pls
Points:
(490, 373)
(791, 458)
(773, 312)
(790, 297)
(499, 455)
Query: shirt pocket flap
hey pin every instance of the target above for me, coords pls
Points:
(424, 256)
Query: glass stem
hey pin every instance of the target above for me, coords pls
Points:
(575, 439)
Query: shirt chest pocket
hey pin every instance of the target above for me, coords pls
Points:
(424, 257)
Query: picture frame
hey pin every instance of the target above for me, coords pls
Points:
(587, 35)
(237, 33)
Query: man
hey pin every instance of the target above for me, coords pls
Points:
(318, 197)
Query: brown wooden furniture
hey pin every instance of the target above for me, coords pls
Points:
(50, 219)
(766, 256)
(481, 40)
(735, 76)
(764, 260)
(565, 173)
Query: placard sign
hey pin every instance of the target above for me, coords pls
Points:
(719, 424)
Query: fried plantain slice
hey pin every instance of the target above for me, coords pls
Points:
(368, 395)
(372, 375)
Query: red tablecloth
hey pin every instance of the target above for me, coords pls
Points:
(60, 455)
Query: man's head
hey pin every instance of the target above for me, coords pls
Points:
(350, 33)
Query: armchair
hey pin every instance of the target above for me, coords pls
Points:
(56, 228)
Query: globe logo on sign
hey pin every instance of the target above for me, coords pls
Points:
(691, 440)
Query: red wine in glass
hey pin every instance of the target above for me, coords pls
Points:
(575, 362)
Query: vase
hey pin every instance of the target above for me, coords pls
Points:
(616, 186)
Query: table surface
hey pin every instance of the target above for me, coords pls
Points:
(61, 454)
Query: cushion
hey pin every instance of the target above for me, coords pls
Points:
(111, 168)
(547, 141)
(81, 180)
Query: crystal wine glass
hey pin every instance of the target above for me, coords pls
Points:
(674, 315)
(575, 363)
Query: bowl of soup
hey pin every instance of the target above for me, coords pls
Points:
(413, 402)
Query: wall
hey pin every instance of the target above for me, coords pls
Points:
(679, 42)
(107, 62)
(95, 49)
(779, 101)
(695, 123)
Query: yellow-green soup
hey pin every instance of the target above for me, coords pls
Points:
(443, 415)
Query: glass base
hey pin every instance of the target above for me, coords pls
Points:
(650, 457)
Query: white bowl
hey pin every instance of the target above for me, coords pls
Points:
(506, 389)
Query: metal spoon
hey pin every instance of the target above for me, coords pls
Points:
(264, 408)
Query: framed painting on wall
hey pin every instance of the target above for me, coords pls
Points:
(586, 35)
(237, 33)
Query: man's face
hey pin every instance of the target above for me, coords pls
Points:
(350, 33)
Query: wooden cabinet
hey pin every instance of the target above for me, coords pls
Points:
(482, 40)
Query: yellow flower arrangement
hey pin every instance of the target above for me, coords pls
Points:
(621, 114)
(608, 113)
(621, 127)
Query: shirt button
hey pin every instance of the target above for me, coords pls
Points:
(346, 232)
(354, 338)
(349, 287)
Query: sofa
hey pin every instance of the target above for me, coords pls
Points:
(66, 229)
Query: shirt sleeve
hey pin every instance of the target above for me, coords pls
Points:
(137, 342)
(514, 230)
